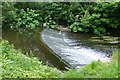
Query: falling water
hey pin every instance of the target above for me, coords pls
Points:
(71, 51)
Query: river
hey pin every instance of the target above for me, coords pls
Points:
(32, 43)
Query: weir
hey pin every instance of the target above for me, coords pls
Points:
(62, 50)
(71, 51)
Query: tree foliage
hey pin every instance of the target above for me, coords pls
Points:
(93, 17)
(15, 18)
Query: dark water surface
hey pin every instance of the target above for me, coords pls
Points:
(24, 40)
(31, 44)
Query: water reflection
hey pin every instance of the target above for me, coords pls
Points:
(24, 40)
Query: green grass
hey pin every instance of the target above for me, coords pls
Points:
(17, 65)
(96, 69)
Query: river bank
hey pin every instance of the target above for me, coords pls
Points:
(17, 65)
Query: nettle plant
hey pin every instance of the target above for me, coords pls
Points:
(22, 19)
(28, 19)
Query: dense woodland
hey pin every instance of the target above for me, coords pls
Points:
(91, 17)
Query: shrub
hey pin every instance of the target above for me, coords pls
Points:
(98, 18)
(20, 18)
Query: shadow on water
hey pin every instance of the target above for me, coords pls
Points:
(54, 59)
(29, 42)
(24, 40)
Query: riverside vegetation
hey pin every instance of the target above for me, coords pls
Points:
(97, 18)
(17, 65)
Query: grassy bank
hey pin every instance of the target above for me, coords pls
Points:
(15, 64)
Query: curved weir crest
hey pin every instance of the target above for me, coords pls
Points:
(69, 50)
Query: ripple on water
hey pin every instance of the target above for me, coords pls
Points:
(70, 50)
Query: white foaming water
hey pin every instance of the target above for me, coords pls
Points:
(69, 51)
(87, 51)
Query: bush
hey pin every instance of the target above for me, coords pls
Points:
(20, 18)
(98, 18)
